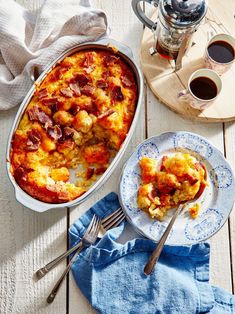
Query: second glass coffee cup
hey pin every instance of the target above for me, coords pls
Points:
(220, 53)
(204, 86)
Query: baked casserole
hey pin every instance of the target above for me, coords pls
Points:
(178, 179)
(74, 125)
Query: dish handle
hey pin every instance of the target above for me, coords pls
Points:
(31, 203)
(117, 44)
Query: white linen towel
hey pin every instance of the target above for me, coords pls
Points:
(30, 39)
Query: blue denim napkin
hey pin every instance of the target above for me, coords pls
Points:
(110, 274)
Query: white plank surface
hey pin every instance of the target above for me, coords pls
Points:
(28, 240)
(230, 155)
(124, 28)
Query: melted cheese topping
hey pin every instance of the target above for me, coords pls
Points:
(78, 118)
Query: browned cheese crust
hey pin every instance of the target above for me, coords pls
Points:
(78, 118)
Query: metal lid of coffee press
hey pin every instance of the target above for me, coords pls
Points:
(183, 13)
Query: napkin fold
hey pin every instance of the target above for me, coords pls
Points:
(29, 40)
(110, 274)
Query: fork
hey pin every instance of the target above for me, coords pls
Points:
(111, 221)
(89, 238)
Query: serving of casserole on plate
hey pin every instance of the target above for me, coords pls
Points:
(167, 170)
(168, 182)
(74, 125)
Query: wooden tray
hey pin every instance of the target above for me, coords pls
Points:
(166, 83)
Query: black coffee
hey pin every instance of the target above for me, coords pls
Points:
(221, 51)
(203, 88)
(166, 52)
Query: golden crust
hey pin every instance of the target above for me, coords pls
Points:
(78, 117)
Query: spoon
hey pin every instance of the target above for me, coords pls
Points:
(156, 253)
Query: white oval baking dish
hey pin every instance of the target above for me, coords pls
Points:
(126, 53)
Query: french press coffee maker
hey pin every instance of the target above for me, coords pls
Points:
(177, 21)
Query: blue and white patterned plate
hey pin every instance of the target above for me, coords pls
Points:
(215, 203)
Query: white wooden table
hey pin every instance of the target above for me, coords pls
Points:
(29, 239)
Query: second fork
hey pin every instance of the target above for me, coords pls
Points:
(110, 221)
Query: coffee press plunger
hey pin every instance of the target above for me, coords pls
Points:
(177, 22)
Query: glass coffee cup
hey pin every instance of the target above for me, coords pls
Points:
(220, 53)
(204, 86)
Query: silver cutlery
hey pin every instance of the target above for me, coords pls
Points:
(89, 238)
(157, 252)
(111, 221)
